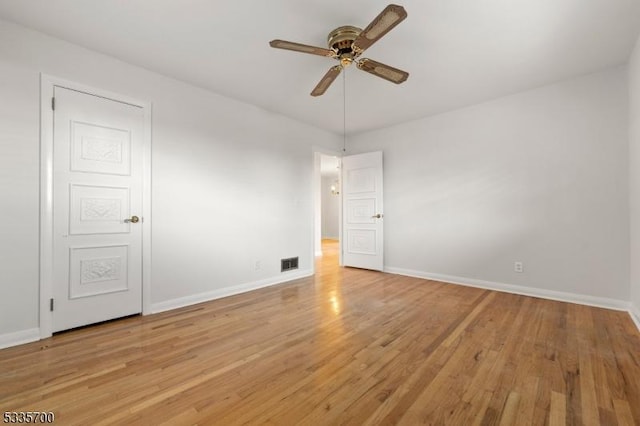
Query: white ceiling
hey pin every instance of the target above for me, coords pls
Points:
(459, 52)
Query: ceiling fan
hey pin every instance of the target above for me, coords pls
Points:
(347, 43)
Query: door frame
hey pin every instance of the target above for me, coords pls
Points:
(317, 151)
(47, 85)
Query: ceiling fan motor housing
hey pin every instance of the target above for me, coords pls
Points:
(341, 40)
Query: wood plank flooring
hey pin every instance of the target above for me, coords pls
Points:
(344, 347)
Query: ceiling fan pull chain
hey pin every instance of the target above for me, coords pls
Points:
(344, 111)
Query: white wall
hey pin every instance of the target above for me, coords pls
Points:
(330, 206)
(232, 183)
(19, 198)
(634, 174)
(539, 177)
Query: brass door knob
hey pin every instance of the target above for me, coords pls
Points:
(377, 216)
(134, 219)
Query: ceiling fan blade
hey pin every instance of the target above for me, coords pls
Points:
(392, 74)
(391, 16)
(326, 81)
(303, 48)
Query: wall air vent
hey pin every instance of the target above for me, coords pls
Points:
(288, 264)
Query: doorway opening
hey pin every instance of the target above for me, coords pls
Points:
(327, 185)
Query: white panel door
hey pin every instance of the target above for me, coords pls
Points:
(97, 191)
(362, 211)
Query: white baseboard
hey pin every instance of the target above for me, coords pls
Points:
(599, 302)
(634, 312)
(318, 253)
(19, 337)
(228, 291)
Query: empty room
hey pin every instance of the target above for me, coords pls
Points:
(318, 213)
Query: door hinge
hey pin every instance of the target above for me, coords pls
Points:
(53, 104)
(51, 304)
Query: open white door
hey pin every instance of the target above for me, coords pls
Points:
(362, 211)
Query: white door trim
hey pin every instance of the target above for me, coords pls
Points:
(47, 84)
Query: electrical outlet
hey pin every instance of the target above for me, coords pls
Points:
(258, 265)
(518, 267)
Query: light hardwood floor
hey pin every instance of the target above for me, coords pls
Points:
(344, 347)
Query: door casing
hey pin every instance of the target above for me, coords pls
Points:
(47, 84)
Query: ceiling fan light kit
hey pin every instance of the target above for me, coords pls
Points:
(347, 43)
